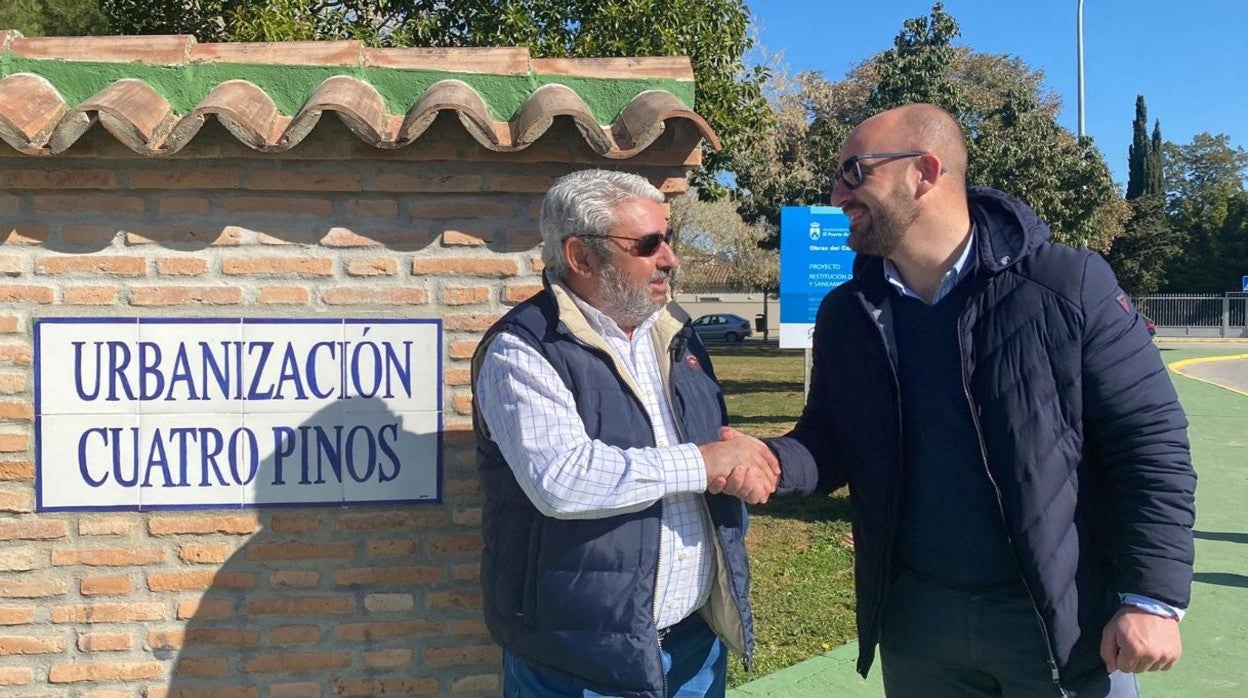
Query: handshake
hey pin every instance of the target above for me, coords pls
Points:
(741, 466)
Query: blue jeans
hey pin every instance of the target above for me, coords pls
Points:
(694, 660)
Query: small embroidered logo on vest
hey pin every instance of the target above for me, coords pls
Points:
(692, 362)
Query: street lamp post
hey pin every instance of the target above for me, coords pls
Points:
(1079, 42)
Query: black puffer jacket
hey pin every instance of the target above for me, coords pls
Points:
(1079, 425)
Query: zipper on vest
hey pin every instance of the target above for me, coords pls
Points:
(654, 598)
(890, 528)
(1054, 674)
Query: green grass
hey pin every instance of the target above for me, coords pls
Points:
(802, 575)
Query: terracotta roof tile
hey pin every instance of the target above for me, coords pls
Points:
(271, 95)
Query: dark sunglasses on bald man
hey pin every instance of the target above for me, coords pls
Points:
(851, 171)
(644, 246)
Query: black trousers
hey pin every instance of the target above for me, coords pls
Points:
(938, 642)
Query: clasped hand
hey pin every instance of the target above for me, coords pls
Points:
(741, 466)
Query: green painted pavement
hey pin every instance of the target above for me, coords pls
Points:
(1215, 631)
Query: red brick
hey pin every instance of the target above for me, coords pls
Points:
(385, 685)
(232, 637)
(276, 266)
(391, 548)
(518, 293)
(362, 576)
(26, 294)
(217, 691)
(21, 502)
(166, 639)
(26, 644)
(26, 588)
(465, 295)
(200, 609)
(23, 559)
(292, 523)
(294, 579)
(469, 626)
(463, 348)
(173, 205)
(524, 184)
(405, 182)
(454, 599)
(59, 178)
(373, 521)
(185, 235)
(10, 324)
(465, 573)
(466, 516)
(481, 683)
(11, 266)
(465, 266)
(456, 238)
(462, 404)
(387, 659)
(295, 635)
(456, 377)
(242, 524)
(106, 586)
(181, 266)
(457, 544)
(204, 667)
(24, 235)
(10, 615)
(90, 295)
(463, 655)
(380, 208)
(311, 661)
(185, 177)
(107, 557)
(345, 237)
(373, 266)
(370, 295)
(16, 675)
(104, 526)
(297, 605)
(284, 295)
(92, 264)
(340, 550)
(205, 553)
(102, 671)
(469, 323)
(189, 581)
(104, 642)
(184, 295)
(361, 632)
(33, 529)
(280, 206)
(80, 204)
(108, 613)
(465, 207)
(93, 236)
(302, 180)
(19, 354)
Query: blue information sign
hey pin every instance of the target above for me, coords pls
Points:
(814, 259)
(1246, 284)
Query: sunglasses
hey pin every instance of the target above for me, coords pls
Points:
(644, 246)
(851, 173)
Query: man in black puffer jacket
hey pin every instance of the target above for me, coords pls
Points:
(1017, 459)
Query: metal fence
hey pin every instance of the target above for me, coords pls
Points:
(1197, 315)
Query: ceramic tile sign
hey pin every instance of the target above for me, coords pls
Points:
(208, 413)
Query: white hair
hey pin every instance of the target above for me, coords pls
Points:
(585, 202)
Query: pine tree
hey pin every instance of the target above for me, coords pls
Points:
(1138, 153)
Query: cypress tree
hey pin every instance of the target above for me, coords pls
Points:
(1156, 182)
(1137, 154)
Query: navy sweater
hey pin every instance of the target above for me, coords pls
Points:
(951, 525)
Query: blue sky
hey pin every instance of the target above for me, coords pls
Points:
(1192, 68)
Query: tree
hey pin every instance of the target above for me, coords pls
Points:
(1138, 152)
(1207, 201)
(53, 17)
(712, 237)
(714, 34)
(1009, 117)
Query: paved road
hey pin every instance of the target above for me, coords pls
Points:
(1226, 371)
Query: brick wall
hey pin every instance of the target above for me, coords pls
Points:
(263, 602)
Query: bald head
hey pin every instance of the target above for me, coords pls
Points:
(924, 127)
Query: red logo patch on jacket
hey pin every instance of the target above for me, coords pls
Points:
(1124, 302)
